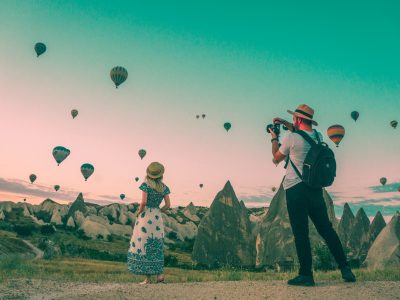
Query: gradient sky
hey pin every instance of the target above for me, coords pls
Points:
(244, 63)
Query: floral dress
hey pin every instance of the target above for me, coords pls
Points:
(146, 250)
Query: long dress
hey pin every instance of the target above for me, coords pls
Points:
(146, 250)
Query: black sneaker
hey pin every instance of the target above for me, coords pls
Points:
(347, 274)
(302, 280)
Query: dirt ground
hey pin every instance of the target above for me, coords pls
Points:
(37, 289)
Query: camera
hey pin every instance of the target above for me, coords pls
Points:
(276, 128)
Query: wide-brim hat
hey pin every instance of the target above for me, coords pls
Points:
(305, 112)
(155, 170)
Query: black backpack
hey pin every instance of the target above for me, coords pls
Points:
(319, 168)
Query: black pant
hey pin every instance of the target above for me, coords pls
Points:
(303, 201)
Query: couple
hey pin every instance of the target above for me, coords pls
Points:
(146, 256)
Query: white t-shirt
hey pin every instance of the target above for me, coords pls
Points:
(297, 148)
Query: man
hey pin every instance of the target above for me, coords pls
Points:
(303, 201)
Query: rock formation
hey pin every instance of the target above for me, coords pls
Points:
(224, 234)
(358, 236)
(385, 251)
(346, 222)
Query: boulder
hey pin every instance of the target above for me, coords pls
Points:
(385, 251)
(225, 233)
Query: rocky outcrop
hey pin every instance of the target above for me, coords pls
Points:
(358, 237)
(70, 222)
(224, 235)
(275, 241)
(2, 216)
(346, 222)
(50, 249)
(187, 230)
(190, 213)
(56, 218)
(78, 206)
(375, 229)
(385, 251)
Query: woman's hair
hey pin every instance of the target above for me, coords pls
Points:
(156, 184)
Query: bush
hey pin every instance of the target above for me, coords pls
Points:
(82, 235)
(43, 215)
(170, 261)
(24, 230)
(323, 259)
(47, 229)
(100, 237)
(172, 235)
(110, 238)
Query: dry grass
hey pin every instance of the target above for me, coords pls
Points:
(84, 270)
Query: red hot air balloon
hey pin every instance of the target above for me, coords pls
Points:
(336, 133)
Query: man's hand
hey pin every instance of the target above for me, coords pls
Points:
(273, 135)
(289, 126)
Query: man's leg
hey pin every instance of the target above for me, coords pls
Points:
(319, 215)
(296, 200)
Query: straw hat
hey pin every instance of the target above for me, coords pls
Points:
(155, 170)
(305, 112)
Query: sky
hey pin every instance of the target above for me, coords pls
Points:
(243, 63)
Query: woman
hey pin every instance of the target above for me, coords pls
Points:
(146, 251)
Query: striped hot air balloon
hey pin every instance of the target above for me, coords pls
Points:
(394, 124)
(118, 75)
(40, 48)
(60, 153)
(32, 178)
(87, 170)
(336, 133)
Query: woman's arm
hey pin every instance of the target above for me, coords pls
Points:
(167, 203)
(143, 203)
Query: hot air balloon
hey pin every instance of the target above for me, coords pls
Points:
(201, 185)
(24, 199)
(383, 180)
(203, 116)
(197, 116)
(273, 189)
(336, 133)
(142, 153)
(227, 126)
(118, 75)
(393, 124)
(32, 178)
(60, 153)
(40, 48)
(122, 196)
(355, 115)
(56, 187)
(74, 113)
(137, 179)
(87, 170)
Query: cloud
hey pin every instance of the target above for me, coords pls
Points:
(391, 187)
(22, 187)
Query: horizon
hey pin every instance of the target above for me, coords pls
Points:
(234, 63)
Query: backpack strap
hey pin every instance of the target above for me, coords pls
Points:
(310, 141)
(307, 137)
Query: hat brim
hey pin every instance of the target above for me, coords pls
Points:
(302, 116)
(155, 176)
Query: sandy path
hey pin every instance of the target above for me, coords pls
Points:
(36, 289)
(39, 253)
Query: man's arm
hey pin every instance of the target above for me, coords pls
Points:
(277, 155)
